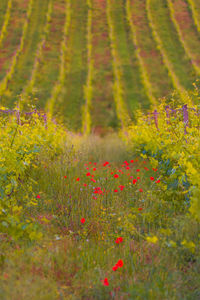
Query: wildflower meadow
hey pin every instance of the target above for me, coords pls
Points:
(99, 150)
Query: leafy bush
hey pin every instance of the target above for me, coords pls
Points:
(21, 143)
(174, 151)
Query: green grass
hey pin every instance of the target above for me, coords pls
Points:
(71, 100)
(48, 69)
(173, 48)
(187, 30)
(195, 8)
(26, 58)
(157, 73)
(72, 259)
(3, 7)
(134, 94)
(102, 110)
(12, 39)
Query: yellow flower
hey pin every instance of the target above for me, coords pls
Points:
(152, 239)
(189, 245)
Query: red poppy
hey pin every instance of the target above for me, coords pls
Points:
(138, 170)
(83, 220)
(88, 174)
(85, 184)
(158, 181)
(134, 181)
(78, 179)
(116, 191)
(132, 161)
(65, 176)
(92, 179)
(138, 178)
(120, 263)
(119, 240)
(121, 187)
(38, 197)
(94, 169)
(146, 168)
(105, 282)
(106, 163)
(140, 208)
(127, 168)
(116, 176)
(155, 170)
(140, 190)
(115, 268)
(152, 178)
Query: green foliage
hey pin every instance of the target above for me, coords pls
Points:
(175, 152)
(21, 143)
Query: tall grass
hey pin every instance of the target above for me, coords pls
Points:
(158, 247)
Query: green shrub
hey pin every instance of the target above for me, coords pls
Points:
(21, 143)
(174, 151)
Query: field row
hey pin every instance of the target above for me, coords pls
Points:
(94, 63)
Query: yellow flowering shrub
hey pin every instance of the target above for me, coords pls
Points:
(21, 143)
(173, 147)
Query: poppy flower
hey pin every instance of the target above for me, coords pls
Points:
(138, 170)
(138, 178)
(116, 191)
(158, 181)
(94, 169)
(88, 174)
(121, 187)
(116, 176)
(92, 179)
(38, 197)
(83, 220)
(115, 268)
(120, 263)
(140, 208)
(134, 181)
(152, 178)
(105, 282)
(119, 240)
(65, 176)
(155, 170)
(132, 161)
(85, 184)
(127, 168)
(140, 190)
(146, 168)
